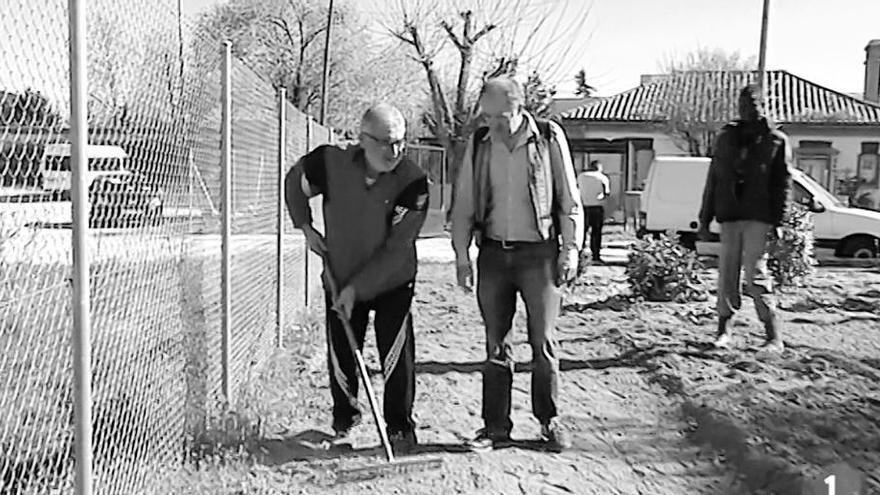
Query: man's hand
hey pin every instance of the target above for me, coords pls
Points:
(703, 233)
(464, 273)
(315, 240)
(567, 266)
(344, 303)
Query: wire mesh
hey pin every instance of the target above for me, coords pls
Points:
(155, 246)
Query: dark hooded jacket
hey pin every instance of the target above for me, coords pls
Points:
(749, 175)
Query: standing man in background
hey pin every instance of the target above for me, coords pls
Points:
(595, 187)
(517, 195)
(746, 192)
(375, 202)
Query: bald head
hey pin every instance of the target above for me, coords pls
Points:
(383, 136)
(384, 121)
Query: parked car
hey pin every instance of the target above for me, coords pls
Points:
(674, 191)
(102, 161)
(125, 200)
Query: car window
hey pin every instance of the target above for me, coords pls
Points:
(800, 195)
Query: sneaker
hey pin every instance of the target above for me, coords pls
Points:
(773, 346)
(556, 438)
(403, 442)
(723, 341)
(485, 441)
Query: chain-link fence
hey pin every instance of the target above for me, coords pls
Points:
(156, 240)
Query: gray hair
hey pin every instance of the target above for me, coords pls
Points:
(504, 85)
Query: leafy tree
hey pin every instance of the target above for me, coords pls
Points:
(27, 108)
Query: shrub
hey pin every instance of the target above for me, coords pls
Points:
(664, 270)
(791, 258)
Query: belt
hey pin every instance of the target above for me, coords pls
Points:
(511, 245)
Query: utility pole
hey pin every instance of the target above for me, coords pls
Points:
(762, 52)
(324, 80)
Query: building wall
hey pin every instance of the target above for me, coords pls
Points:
(847, 141)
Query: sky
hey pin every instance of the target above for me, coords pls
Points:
(820, 40)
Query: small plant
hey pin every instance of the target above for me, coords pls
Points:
(791, 258)
(664, 270)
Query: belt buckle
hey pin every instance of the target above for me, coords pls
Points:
(505, 246)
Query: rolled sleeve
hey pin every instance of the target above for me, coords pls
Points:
(306, 179)
(570, 211)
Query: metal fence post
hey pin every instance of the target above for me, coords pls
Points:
(282, 155)
(226, 218)
(81, 338)
(306, 281)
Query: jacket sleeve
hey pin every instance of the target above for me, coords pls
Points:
(463, 206)
(707, 209)
(384, 270)
(306, 179)
(780, 182)
(569, 208)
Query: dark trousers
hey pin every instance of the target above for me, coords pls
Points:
(502, 274)
(396, 342)
(593, 228)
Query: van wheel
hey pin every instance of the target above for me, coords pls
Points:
(860, 247)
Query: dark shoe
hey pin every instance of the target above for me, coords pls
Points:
(556, 437)
(485, 440)
(342, 430)
(403, 442)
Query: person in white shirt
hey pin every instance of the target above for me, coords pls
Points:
(595, 189)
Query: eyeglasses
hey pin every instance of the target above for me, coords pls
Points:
(397, 143)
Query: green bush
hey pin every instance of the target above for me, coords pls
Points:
(791, 258)
(664, 270)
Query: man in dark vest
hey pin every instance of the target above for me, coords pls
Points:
(746, 192)
(374, 202)
(517, 197)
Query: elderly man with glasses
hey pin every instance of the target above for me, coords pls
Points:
(375, 203)
(517, 195)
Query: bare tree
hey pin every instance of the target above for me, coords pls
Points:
(460, 43)
(697, 97)
(282, 40)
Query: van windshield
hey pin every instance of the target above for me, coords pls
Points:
(62, 164)
(820, 192)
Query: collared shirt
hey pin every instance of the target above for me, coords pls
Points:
(567, 210)
(510, 215)
(594, 187)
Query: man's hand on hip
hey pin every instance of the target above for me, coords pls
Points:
(464, 273)
(567, 266)
(315, 241)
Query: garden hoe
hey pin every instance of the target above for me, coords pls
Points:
(392, 466)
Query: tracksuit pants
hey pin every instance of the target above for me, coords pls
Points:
(394, 337)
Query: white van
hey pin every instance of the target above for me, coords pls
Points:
(674, 192)
(102, 161)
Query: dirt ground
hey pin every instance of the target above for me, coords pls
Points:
(653, 409)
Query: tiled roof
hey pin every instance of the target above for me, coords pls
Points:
(710, 96)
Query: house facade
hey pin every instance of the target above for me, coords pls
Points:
(835, 137)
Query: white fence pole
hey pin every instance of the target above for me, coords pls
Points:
(282, 156)
(81, 338)
(308, 254)
(226, 218)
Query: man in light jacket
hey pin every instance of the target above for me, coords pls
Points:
(517, 197)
